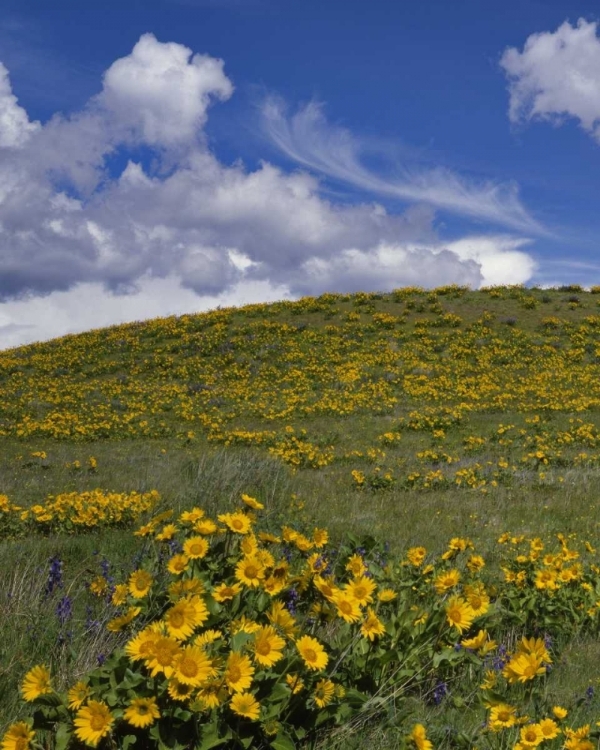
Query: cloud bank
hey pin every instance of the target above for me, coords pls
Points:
(85, 244)
(557, 75)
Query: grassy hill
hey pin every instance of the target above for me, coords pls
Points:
(415, 417)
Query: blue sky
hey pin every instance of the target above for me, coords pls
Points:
(166, 157)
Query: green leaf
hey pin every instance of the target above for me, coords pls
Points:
(154, 733)
(262, 601)
(355, 698)
(49, 699)
(283, 742)
(279, 693)
(132, 679)
(322, 717)
(62, 737)
(129, 739)
(239, 640)
(391, 655)
(182, 714)
(344, 712)
(448, 654)
(212, 738)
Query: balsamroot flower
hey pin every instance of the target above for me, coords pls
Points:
(193, 667)
(36, 683)
(372, 626)
(250, 571)
(267, 646)
(419, 738)
(324, 693)
(224, 592)
(446, 581)
(142, 712)
(239, 523)
(77, 695)
(348, 607)
(238, 672)
(361, 589)
(459, 613)
(185, 616)
(312, 653)
(195, 548)
(140, 583)
(502, 716)
(93, 722)
(18, 737)
(523, 667)
(162, 656)
(244, 704)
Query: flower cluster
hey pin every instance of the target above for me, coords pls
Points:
(73, 511)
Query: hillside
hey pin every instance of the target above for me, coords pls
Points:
(410, 391)
(413, 417)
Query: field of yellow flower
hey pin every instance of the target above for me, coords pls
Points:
(255, 638)
(346, 519)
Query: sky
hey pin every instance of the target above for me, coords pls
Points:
(168, 157)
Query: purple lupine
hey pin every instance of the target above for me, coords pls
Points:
(499, 661)
(55, 579)
(440, 692)
(90, 622)
(381, 558)
(292, 600)
(64, 610)
(174, 546)
(105, 568)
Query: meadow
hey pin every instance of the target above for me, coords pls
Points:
(428, 465)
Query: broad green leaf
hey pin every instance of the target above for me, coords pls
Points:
(283, 742)
(63, 737)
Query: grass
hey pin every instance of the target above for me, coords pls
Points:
(181, 405)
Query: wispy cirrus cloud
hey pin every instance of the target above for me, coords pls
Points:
(310, 140)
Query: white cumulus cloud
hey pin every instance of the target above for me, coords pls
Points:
(15, 127)
(499, 258)
(160, 92)
(557, 74)
(90, 305)
(384, 268)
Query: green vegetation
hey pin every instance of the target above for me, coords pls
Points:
(413, 417)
